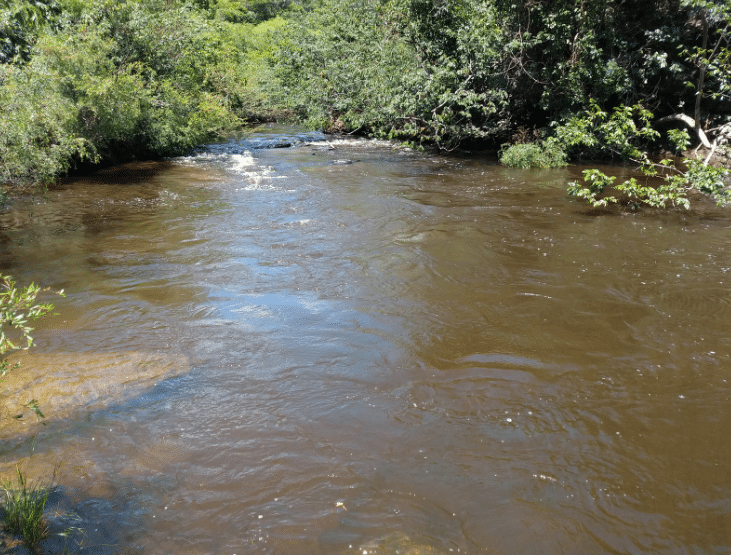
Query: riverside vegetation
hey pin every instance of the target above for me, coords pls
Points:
(23, 504)
(101, 81)
(87, 82)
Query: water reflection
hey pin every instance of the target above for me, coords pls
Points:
(409, 353)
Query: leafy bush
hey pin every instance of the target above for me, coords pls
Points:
(596, 134)
(466, 70)
(365, 66)
(118, 81)
(36, 144)
(255, 79)
(20, 23)
(17, 307)
(709, 180)
(545, 154)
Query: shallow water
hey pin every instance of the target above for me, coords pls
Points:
(408, 353)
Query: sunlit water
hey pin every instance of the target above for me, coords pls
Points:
(287, 345)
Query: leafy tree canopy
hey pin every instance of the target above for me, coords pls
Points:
(85, 82)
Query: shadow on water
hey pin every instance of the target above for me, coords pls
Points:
(79, 524)
(90, 204)
(95, 507)
(132, 173)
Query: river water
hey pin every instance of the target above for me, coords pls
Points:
(272, 350)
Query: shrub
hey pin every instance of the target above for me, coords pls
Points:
(544, 154)
(624, 134)
(384, 68)
(36, 141)
(17, 306)
(117, 81)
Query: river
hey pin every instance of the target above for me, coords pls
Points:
(297, 344)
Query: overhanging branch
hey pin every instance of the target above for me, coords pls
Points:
(690, 122)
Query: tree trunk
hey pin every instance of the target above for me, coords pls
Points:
(702, 63)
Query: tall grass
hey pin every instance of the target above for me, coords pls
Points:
(24, 505)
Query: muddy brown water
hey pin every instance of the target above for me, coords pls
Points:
(269, 350)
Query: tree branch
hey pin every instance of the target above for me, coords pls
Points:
(690, 122)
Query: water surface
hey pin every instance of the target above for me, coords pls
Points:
(339, 346)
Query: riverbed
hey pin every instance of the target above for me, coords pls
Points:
(292, 343)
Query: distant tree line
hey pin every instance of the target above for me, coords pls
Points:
(547, 80)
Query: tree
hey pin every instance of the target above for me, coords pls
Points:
(712, 60)
(117, 81)
(20, 21)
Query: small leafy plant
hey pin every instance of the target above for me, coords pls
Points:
(544, 154)
(24, 505)
(17, 307)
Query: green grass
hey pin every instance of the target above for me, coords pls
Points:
(24, 505)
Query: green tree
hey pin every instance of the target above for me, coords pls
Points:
(20, 22)
(480, 69)
(712, 61)
(117, 81)
(396, 68)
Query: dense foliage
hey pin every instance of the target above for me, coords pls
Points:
(85, 82)
(113, 81)
(664, 183)
(406, 70)
(550, 81)
(20, 22)
(451, 71)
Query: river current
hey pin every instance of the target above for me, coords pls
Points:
(298, 344)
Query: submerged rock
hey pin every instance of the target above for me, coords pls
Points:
(67, 384)
(398, 543)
